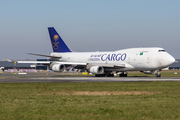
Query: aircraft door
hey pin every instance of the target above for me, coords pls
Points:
(139, 59)
(142, 59)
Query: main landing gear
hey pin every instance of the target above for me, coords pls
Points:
(109, 74)
(104, 75)
(123, 74)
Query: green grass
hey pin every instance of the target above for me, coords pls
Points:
(127, 100)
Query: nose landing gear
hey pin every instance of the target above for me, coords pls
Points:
(158, 74)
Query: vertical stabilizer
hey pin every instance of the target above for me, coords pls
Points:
(58, 44)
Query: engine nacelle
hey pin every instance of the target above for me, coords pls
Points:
(149, 72)
(96, 70)
(58, 67)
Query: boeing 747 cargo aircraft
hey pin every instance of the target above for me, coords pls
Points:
(149, 60)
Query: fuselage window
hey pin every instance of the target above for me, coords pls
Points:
(162, 51)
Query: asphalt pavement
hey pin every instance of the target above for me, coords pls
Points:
(55, 77)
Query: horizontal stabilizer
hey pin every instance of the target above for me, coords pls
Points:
(46, 55)
(45, 62)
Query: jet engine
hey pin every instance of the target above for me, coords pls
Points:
(149, 72)
(96, 70)
(58, 67)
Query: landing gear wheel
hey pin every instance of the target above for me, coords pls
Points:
(122, 75)
(158, 75)
(99, 75)
(110, 75)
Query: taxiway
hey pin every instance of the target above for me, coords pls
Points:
(51, 77)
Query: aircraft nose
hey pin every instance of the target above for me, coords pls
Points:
(169, 60)
(166, 60)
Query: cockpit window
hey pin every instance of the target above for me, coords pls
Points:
(162, 51)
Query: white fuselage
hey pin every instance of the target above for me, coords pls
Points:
(134, 59)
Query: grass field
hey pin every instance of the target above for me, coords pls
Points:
(101, 101)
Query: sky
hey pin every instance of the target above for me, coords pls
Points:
(88, 25)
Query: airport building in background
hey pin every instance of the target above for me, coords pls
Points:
(176, 65)
(9, 65)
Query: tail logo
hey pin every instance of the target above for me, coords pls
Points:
(55, 43)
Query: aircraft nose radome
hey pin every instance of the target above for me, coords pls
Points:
(171, 60)
(166, 60)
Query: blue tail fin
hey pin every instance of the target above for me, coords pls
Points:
(57, 42)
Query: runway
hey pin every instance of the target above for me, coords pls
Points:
(66, 78)
(84, 79)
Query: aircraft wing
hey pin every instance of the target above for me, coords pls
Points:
(78, 65)
(70, 63)
(89, 65)
(55, 62)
